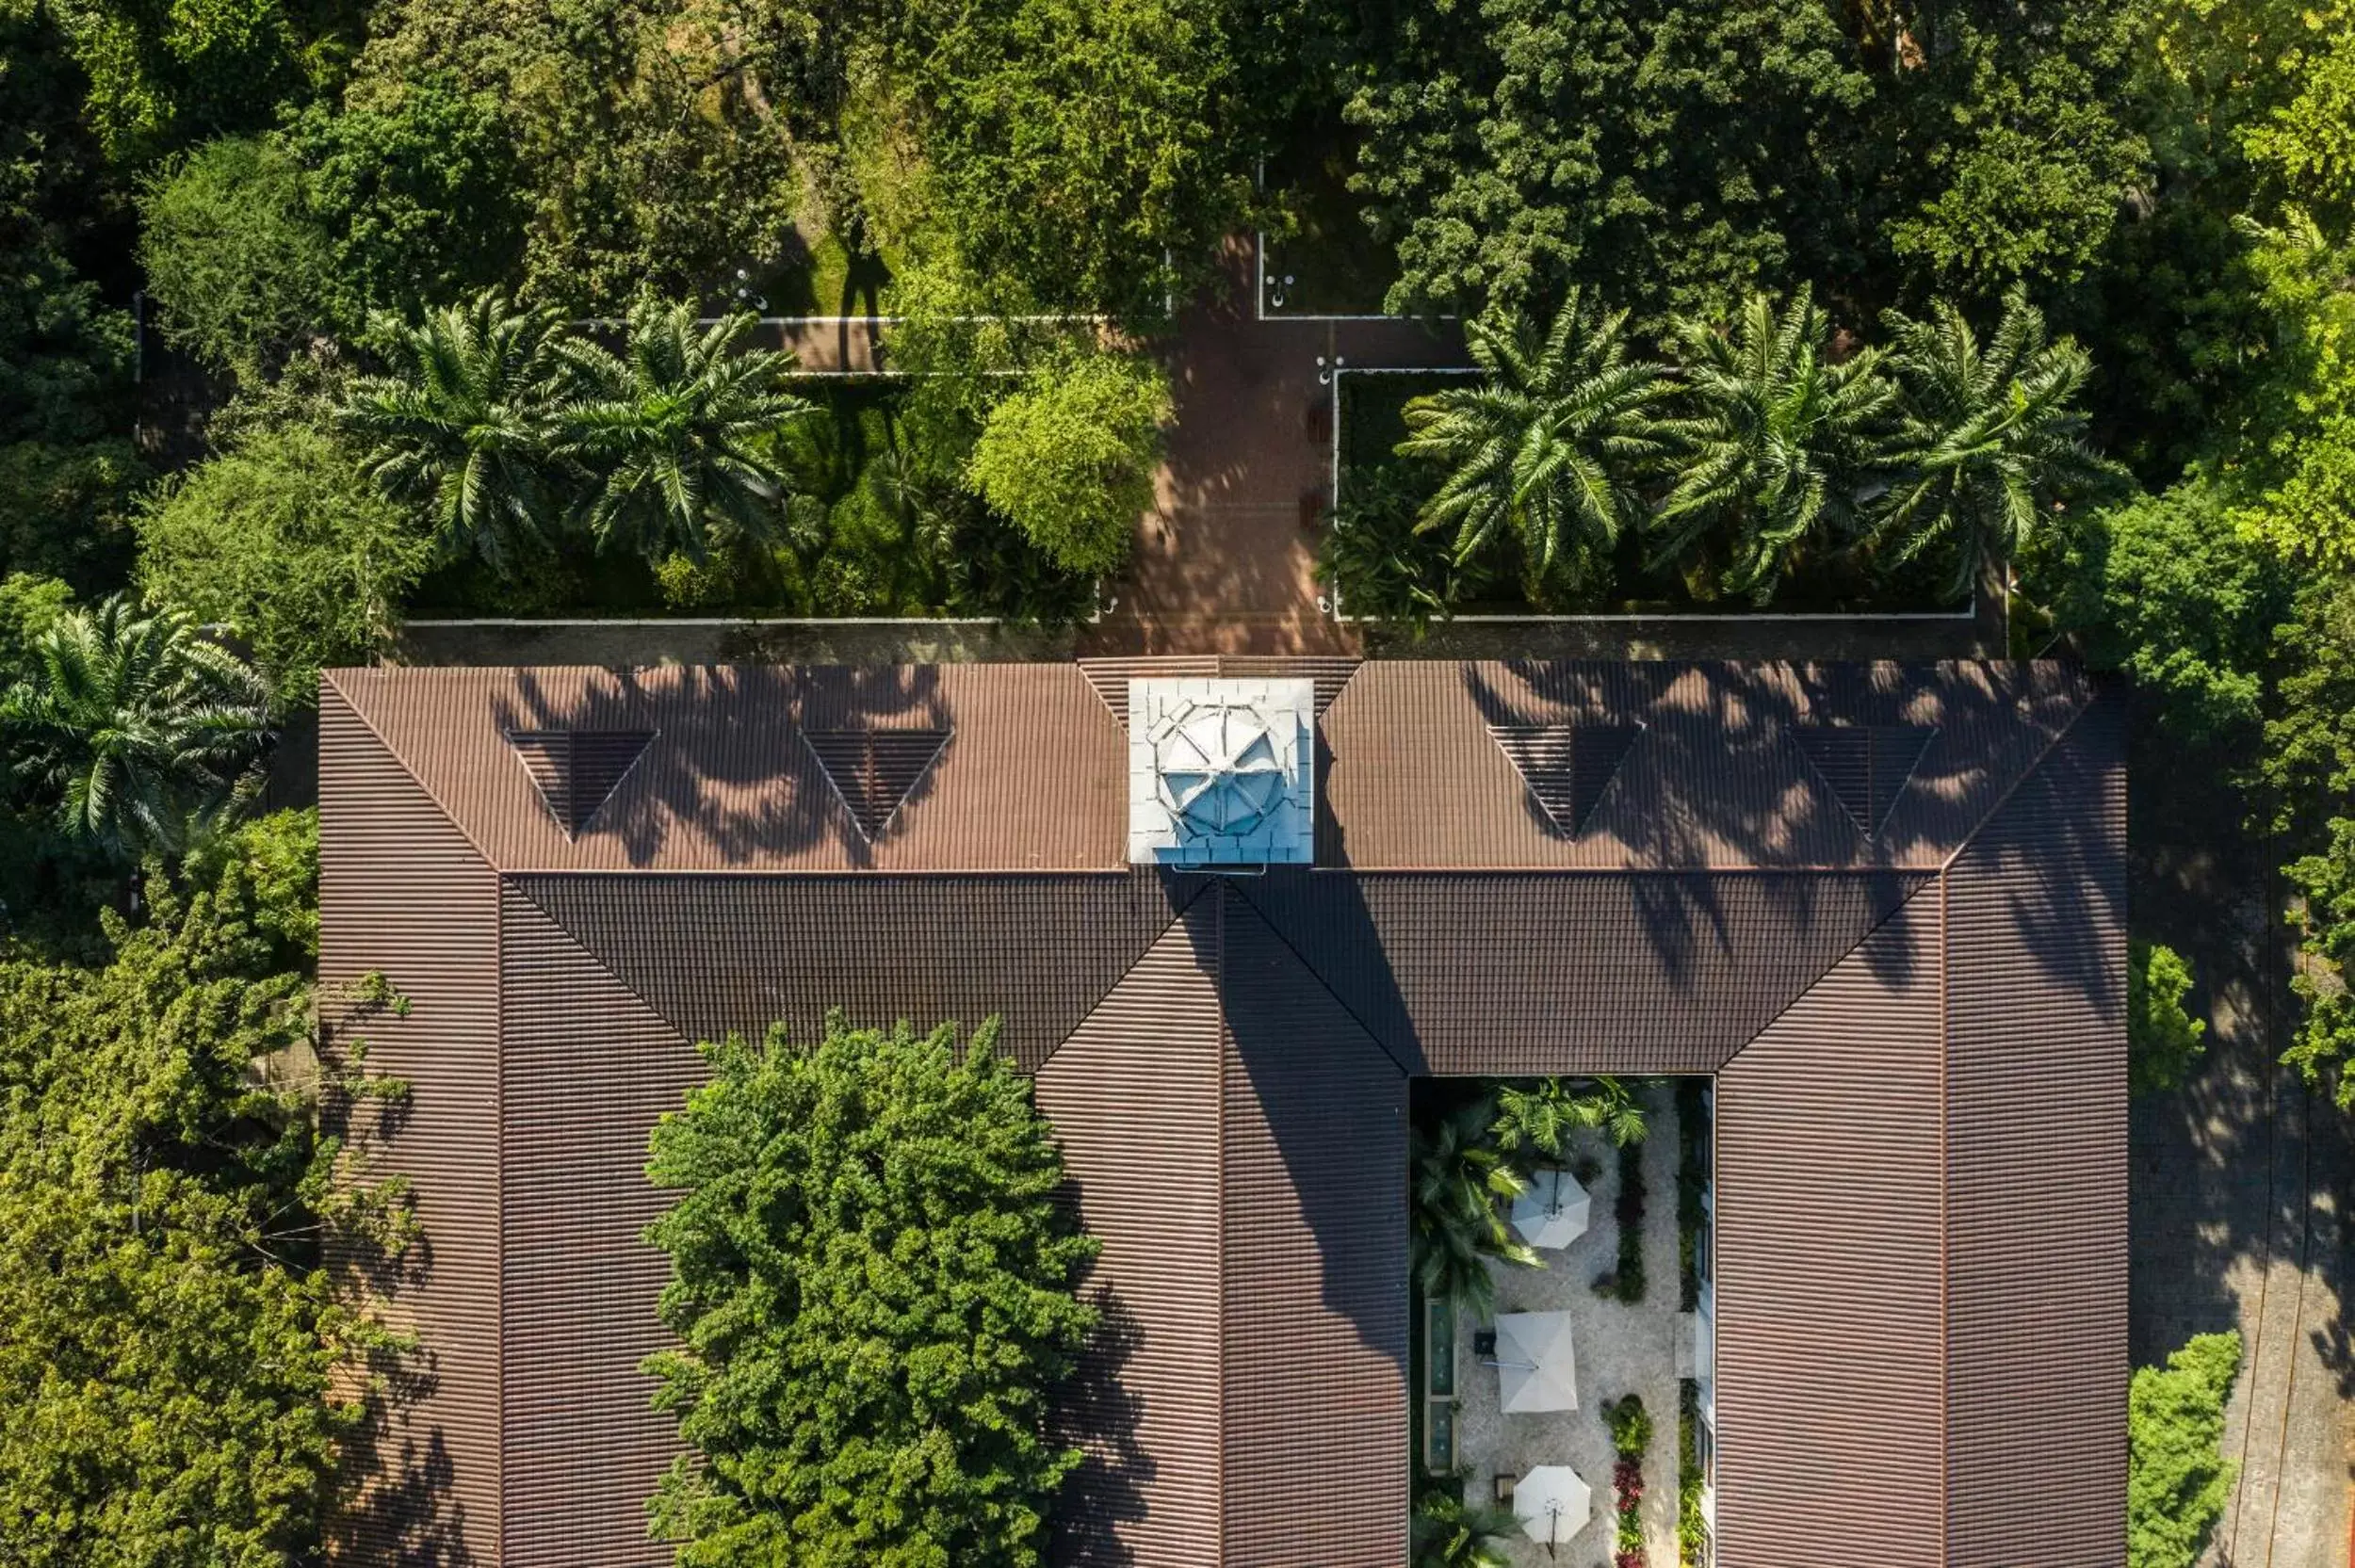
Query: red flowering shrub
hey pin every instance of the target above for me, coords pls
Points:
(1627, 1559)
(1627, 1478)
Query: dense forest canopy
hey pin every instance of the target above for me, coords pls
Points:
(322, 313)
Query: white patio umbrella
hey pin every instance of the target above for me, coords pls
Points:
(1552, 1504)
(1535, 1365)
(1552, 1210)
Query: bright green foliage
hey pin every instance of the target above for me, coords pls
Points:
(1548, 446)
(1069, 458)
(2309, 746)
(130, 729)
(2326, 1036)
(2307, 145)
(1074, 140)
(2015, 154)
(1449, 1532)
(1783, 442)
(2166, 588)
(461, 428)
(2162, 1040)
(1989, 439)
(285, 540)
(30, 605)
(1545, 1113)
(673, 434)
(648, 155)
(420, 195)
(872, 1286)
(1458, 1185)
(2300, 438)
(2176, 1478)
(166, 1338)
(162, 76)
(239, 266)
(1630, 1427)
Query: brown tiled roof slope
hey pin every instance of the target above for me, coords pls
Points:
(1884, 907)
(1720, 774)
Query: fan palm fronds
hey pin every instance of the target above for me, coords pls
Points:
(1549, 445)
(672, 431)
(131, 729)
(461, 427)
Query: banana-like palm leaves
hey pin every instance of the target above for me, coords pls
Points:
(132, 728)
(1461, 1188)
(1548, 445)
(1985, 438)
(1784, 445)
(1449, 1532)
(461, 427)
(672, 432)
(1543, 1116)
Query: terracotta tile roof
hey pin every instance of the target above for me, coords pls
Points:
(1887, 890)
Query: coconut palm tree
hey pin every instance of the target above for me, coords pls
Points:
(1449, 1532)
(133, 728)
(1784, 445)
(1459, 1186)
(461, 427)
(1548, 443)
(672, 431)
(1988, 437)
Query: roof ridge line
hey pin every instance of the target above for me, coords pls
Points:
(1177, 916)
(516, 881)
(1323, 984)
(2093, 695)
(1929, 880)
(410, 774)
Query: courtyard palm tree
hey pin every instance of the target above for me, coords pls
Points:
(461, 427)
(132, 728)
(1449, 1532)
(1987, 436)
(1459, 1185)
(1545, 1113)
(1784, 446)
(1548, 443)
(672, 431)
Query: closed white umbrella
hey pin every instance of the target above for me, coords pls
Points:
(1553, 1211)
(1552, 1504)
(1536, 1367)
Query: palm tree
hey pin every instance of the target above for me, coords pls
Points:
(671, 431)
(133, 728)
(1449, 1532)
(1459, 1185)
(461, 428)
(1545, 1115)
(1784, 443)
(1548, 443)
(1986, 436)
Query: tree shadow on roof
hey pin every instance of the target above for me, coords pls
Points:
(1096, 1412)
(728, 762)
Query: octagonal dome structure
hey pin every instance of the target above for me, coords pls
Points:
(1220, 772)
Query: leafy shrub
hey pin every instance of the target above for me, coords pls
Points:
(2162, 1040)
(1630, 1427)
(2177, 1481)
(1069, 458)
(234, 257)
(283, 540)
(868, 1246)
